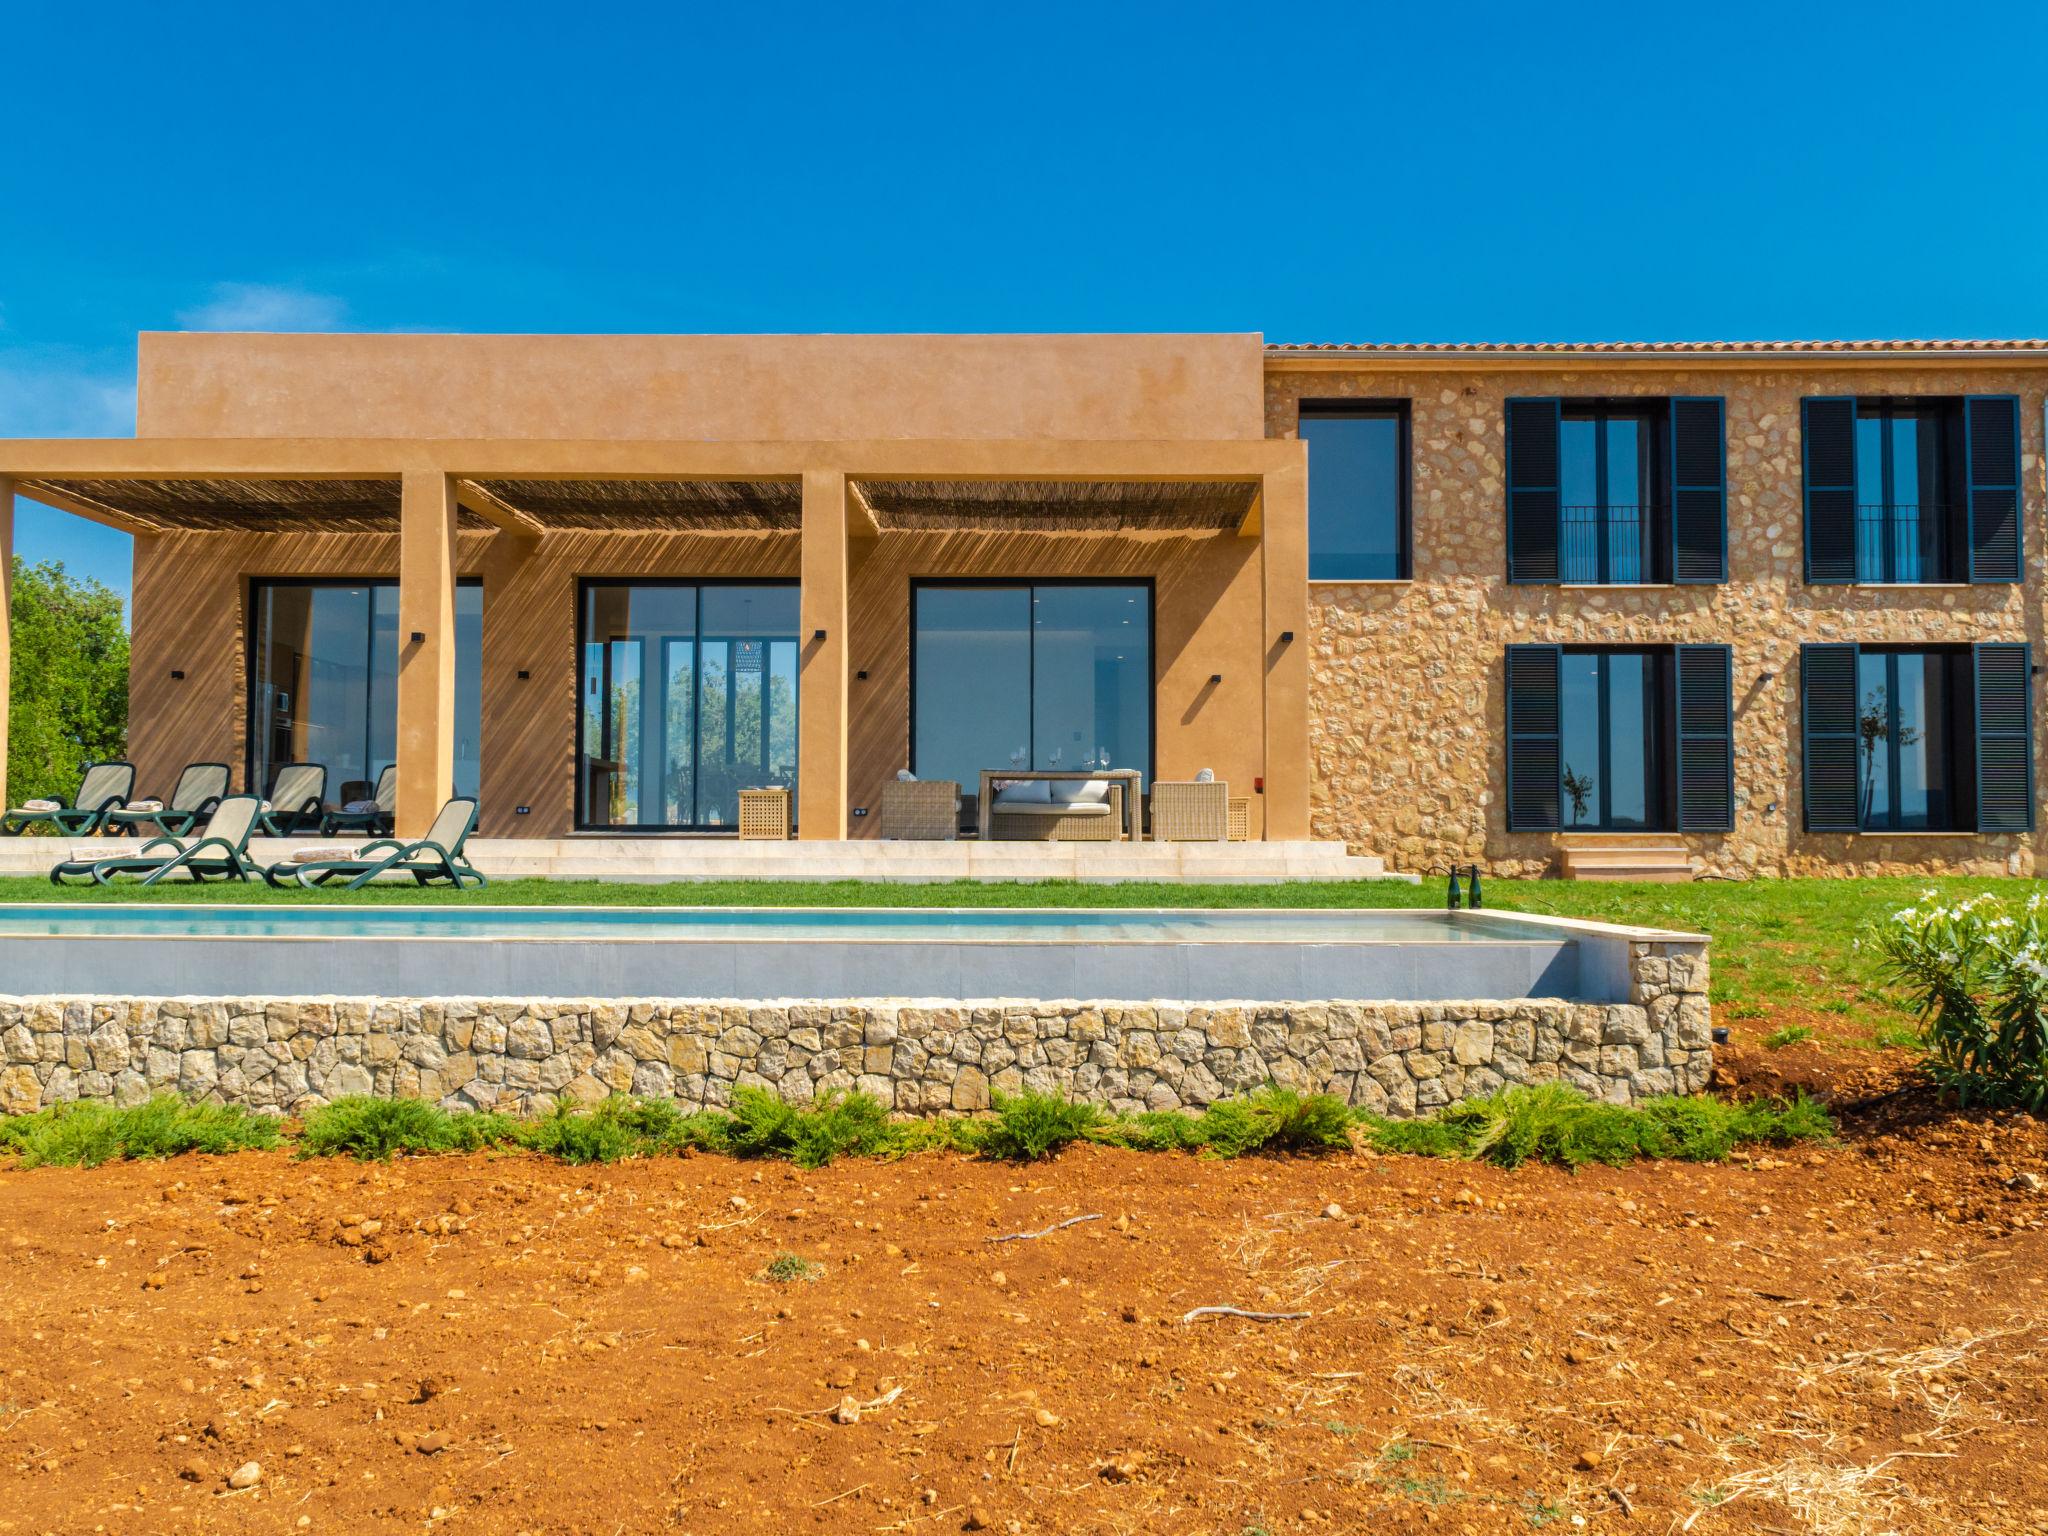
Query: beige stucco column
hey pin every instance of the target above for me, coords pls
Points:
(6, 622)
(426, 649)
(821, 675)
(1283, 557)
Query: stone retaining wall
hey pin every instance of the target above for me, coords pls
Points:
(916, 1056)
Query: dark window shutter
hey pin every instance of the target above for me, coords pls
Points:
(2005, 737)
(1534, 745)
(1827, 431)
(1992, 485)
(1827, 714)
(1706, 739)
(1699, 489)
(1532, 490)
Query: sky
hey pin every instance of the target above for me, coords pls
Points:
(1356, 172)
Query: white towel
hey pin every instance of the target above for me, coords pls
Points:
(321, 855)
(42, 805)
(145, 805)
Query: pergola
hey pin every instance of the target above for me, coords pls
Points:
(827, 494)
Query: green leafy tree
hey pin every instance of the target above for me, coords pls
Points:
(70, 692)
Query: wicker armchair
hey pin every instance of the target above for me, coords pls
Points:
(1190, 812)
(921, 810)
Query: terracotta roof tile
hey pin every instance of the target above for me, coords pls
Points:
(1574, 348)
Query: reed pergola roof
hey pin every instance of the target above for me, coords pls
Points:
(234, 505)
(684, 506)
(1056, 506)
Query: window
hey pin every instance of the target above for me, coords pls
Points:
(1620, 492)
(689, 695)
(1358, 489)
(1912, 490)
(1620, 739)
(323, 682)
(1605, 459)
(1917, 739)
(1045, 675)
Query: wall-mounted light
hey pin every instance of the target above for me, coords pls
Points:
(817, 634)
(862, 674)
(524, 674)
(1287, 637)
(1215, 678)
(1771, 809)
(1764, 677)
(419, 637)
(177, 676)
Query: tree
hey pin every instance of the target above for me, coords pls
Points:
(70, 692)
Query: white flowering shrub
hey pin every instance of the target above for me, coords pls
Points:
(1977, 973)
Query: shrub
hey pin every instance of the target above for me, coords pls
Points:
(1553, 1122)
(603, 1134)
(86, 1135)
(1976, 974)
(1275, 1119)
(763, 1125)
(786, 1268)
(1029, 1126)
(377, 1129)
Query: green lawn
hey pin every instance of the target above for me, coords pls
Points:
(1779, 944)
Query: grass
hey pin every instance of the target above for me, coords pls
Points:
(86, 1135)
(788, 1269)
(1778, 944)
(1790, 1034)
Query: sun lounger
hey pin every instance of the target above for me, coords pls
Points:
(296, 802)
(199, 790)
(219, 852)
(372, 815)
(437, 856)
(103, 787)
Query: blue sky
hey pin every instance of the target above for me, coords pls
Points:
(1354, 172)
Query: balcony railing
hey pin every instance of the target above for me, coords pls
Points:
(1605, 544)
(1901, 542)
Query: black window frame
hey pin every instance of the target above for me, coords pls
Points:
(1661, 783)
(1653, 524)
(1958, 746)
(1949, 538)
(256, 586)
(1031, 583)
(1402, 409)
(580, 789)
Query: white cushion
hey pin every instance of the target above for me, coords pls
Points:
(905, 776)
(145, 805)
(1079, 808)
(1206, 776)
(1080, 791)
(321, 855)
(1030, 792)
(362, 808)
(42, 805)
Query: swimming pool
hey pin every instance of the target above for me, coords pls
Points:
(811, 953)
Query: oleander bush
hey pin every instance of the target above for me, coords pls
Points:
(1976, 973)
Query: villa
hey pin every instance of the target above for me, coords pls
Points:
(1724, 607)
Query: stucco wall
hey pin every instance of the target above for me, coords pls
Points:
(700, 388)
(191, 616)
(1407, 720)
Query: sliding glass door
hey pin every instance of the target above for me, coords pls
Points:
(688, 696)
(1030, 675)
(323, 681)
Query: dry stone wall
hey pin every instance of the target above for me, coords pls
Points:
(916, 1056)
(1406, 698)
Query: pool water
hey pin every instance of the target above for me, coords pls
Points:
(757, 924)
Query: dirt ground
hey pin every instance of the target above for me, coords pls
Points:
(1847, 1340)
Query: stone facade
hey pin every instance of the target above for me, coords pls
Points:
(1407, 735)
(916, 1056)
